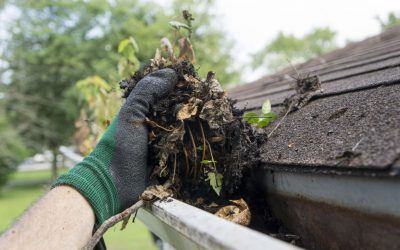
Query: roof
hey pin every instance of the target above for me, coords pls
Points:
(352, 125)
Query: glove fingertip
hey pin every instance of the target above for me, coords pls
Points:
(168, 74)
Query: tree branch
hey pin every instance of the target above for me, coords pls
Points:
(151, 194)
(111, 222)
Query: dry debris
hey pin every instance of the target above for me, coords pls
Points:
(156, 192)
(200, 148)
(307, 86)
(238, 213)
(198, 140)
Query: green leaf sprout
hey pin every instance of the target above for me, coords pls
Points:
(215, 179)
(262, 120)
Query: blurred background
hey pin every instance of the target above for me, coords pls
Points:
(61, 61)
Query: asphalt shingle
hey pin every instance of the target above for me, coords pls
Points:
(353, 124)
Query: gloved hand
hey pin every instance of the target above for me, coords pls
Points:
(114, 175)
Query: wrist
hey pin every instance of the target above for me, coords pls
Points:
(92, 178)
(93, 183)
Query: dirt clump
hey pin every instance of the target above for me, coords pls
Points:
(199, 142)
(197, 139)
(307, 86)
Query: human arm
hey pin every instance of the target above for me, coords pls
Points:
(113, 176)
(62, 219)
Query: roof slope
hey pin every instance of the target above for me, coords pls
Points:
(353, 124)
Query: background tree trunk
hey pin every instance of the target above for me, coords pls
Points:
(54, 165)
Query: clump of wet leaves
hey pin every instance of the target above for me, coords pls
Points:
(197, 139)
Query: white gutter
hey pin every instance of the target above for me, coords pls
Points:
(187, 227)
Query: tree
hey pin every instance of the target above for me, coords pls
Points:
(12, 150)
(285, 48)
(53, 44)
(212, 47)
(391, 21)
(49, 50)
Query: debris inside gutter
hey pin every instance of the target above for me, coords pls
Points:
(198, 140)
(200, 143)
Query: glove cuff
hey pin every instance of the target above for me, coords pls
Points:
(93, 180)
(95, 186)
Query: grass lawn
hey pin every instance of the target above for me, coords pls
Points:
(37, 175)
(24, 189)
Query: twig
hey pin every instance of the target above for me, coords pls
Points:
(154, 124)
(134, 216)
(195, 151)
(204, 145)
(212, 157)
(111, 222)
(280, 121)
(357, 144)
(186, 161)
(204, 141)
(117, 218)
(173, 175)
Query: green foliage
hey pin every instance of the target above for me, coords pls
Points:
(101, 105)
(46, 56)
(128, 63)
(53, 44)
(391, 21)
(264, 118)
(287, 47)
(251, 117)
(266, 107)
(12, 150)
(212, 47)
(97, 94)
(177, 25)
(215, 180)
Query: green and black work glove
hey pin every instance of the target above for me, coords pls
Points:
(114, 175)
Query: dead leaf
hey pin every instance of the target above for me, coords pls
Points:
(156, 192)
(186, 51)
(187, 111)
(199, 201)
(152, 136)
(215, 88)
(166, 45)
(157, 62)
(191, 80)
(217, 113)
(168, 145)
(238, 213)
(217, 139)
(213, 204)
(157, 56)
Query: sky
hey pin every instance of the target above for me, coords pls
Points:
(252, 24)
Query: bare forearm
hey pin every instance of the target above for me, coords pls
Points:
(62, 219)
